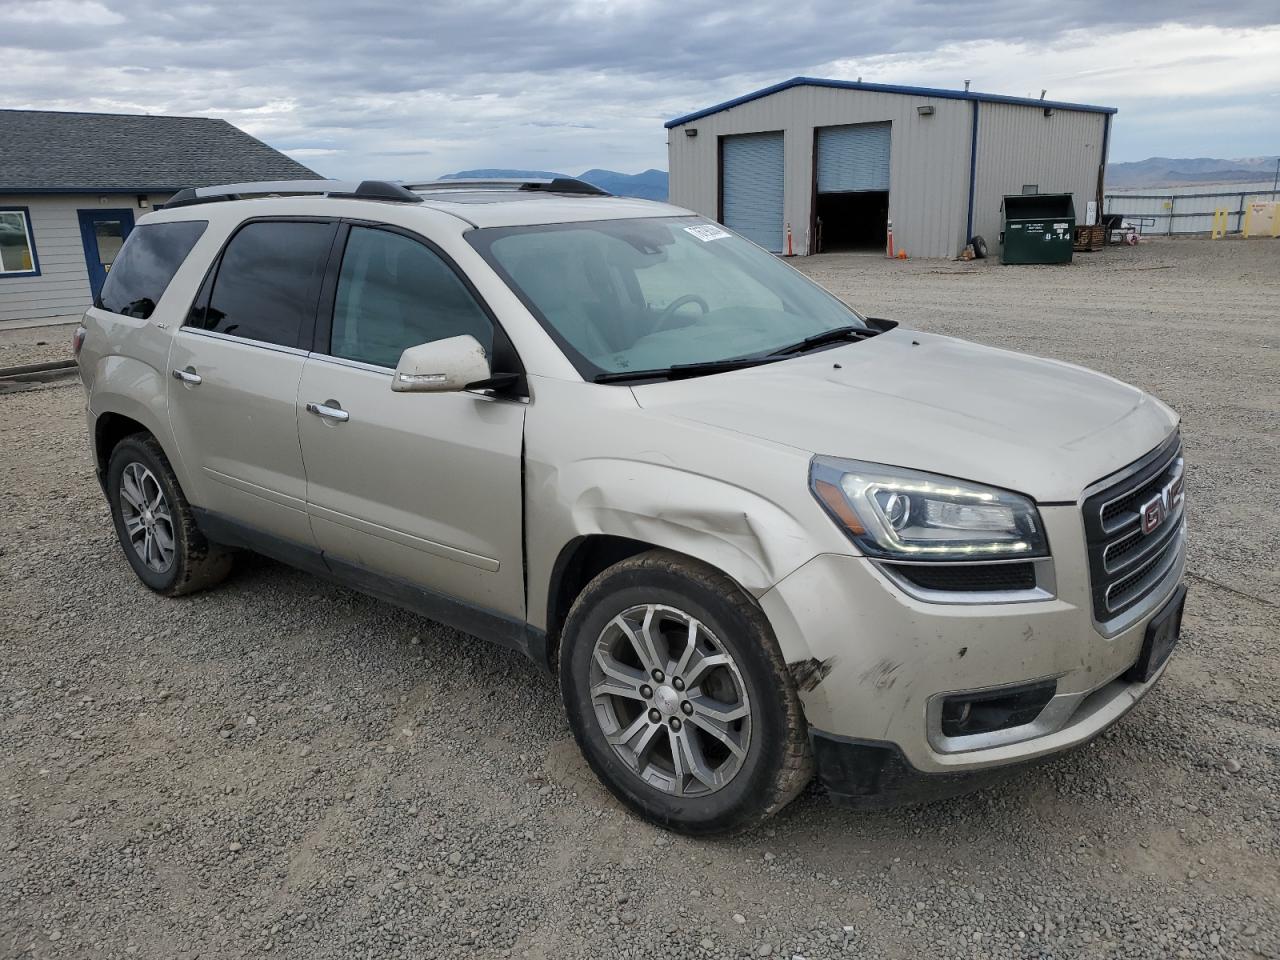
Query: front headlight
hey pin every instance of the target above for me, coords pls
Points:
(899, 514)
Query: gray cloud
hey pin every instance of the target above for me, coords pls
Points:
(489, 83)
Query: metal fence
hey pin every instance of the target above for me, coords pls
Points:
(1170, 213)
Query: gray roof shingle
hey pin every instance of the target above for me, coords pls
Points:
(51, 151)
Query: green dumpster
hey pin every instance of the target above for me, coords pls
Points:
(1038, 228)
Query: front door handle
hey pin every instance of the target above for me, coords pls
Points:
(329, 410)
(188, 375)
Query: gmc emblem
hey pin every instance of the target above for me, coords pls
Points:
(1152, 514)
(1161, 506)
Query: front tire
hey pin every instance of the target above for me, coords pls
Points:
(154, 522)
(679, 698)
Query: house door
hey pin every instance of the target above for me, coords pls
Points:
(102, 232)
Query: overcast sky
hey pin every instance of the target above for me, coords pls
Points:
(412, 90)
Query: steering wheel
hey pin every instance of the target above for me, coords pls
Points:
(664, 321)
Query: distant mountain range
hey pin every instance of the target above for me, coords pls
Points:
(650, 185)
(1188, 171)
(1153, 172)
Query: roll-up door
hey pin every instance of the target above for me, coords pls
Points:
(853, 159)
(751, 185)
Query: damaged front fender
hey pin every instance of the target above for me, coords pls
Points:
(737, 503)
(734, 530)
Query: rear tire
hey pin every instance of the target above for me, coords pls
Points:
(154, 522)
(737, 722)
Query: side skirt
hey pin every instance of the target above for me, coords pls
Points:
(478, 621)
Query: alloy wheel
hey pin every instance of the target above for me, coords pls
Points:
(670, 700)
(148, 521)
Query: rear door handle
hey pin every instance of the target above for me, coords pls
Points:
(188, 375)
(329, 410)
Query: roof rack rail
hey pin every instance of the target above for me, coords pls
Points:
(364, 190)
(570, 185)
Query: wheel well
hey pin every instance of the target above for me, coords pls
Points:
(108, 431)
(580, 562)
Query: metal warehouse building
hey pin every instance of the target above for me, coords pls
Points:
(834, 160)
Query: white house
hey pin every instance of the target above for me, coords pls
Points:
(71, 185)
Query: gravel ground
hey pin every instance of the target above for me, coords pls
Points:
(35, 344)
(280, 767)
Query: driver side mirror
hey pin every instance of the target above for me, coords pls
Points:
(442, 366)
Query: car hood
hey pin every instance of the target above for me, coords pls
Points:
(1041, 427)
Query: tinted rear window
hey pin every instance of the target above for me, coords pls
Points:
(142, 270)
(268, 283)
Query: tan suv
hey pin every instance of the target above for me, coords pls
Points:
(751, 531)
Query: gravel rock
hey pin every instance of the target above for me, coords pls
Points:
(121, 842)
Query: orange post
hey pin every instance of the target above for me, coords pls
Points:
(888, 250)
(790, 253)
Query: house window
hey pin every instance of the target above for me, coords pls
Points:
(17, 249)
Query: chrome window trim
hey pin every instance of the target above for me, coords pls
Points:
(389, 372)
(231, 338)
(353, 364)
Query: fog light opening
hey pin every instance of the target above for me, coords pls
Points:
(969, 714)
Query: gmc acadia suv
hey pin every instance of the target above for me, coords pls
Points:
(751, 531)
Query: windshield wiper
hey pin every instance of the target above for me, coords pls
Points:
(683, 371)
(825, 337)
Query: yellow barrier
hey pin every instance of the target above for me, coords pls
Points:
(1264, 216)
(1219, 224)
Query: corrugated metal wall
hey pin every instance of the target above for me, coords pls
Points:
(929, 158)
(1019, 145)
(62, 289)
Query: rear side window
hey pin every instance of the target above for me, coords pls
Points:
(268, 282)
(142, 270)
(395, 293)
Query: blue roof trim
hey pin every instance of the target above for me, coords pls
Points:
(886, 88)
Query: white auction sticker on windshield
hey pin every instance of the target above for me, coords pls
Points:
(707, 232)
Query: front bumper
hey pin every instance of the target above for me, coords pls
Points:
(870, 775)
(878, 662)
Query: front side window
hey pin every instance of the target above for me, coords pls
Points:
(17, 250)
(650, 294)
(144, 266)
(395, 293)
(268, 282)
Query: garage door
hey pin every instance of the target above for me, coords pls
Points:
(853, 159)
(751, 185)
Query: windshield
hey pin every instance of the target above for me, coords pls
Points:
(650, 294)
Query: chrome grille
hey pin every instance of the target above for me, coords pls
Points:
(1127, 562)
